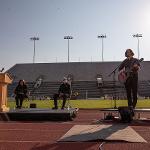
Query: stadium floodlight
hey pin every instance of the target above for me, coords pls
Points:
(102, 36)
(34, 39)
(68, 38)
(138, 44)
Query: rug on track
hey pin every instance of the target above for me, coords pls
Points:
(117, 132)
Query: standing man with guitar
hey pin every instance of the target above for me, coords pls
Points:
(128, 70)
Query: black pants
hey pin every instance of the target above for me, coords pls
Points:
(56, 96)
(131, 90)
(19, 100)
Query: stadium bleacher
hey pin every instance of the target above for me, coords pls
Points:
(84, 79)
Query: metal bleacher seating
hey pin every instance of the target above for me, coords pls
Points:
(84, 78)
(85, 89)
(144, 88)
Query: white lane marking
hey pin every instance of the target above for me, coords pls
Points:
(6, 141)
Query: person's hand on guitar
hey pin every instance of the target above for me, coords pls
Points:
(135, 68)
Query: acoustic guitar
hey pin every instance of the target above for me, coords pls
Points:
(123, 75)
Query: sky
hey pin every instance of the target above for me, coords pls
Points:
(84, 20)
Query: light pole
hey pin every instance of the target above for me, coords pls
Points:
(102, 36)
(68, 38)
(138, 45)
(34, 39)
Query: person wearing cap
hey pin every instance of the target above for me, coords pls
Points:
(63, 92)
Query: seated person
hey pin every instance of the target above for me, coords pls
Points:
(63, 92)
(20, 93)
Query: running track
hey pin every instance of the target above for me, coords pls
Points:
(44, 135)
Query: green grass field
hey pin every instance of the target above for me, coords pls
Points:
(90, 104)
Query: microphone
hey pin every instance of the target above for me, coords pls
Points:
(2, 70)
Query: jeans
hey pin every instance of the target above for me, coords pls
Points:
(19, 100)
(131, 86)
(56, 96)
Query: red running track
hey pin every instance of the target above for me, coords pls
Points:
(44, 135)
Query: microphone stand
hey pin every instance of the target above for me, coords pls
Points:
(70, 83)
(114, 84)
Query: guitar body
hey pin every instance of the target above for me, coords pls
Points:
(122, 76)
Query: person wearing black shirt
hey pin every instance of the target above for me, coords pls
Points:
(63, 92)
(131, 66)
(20, 93)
